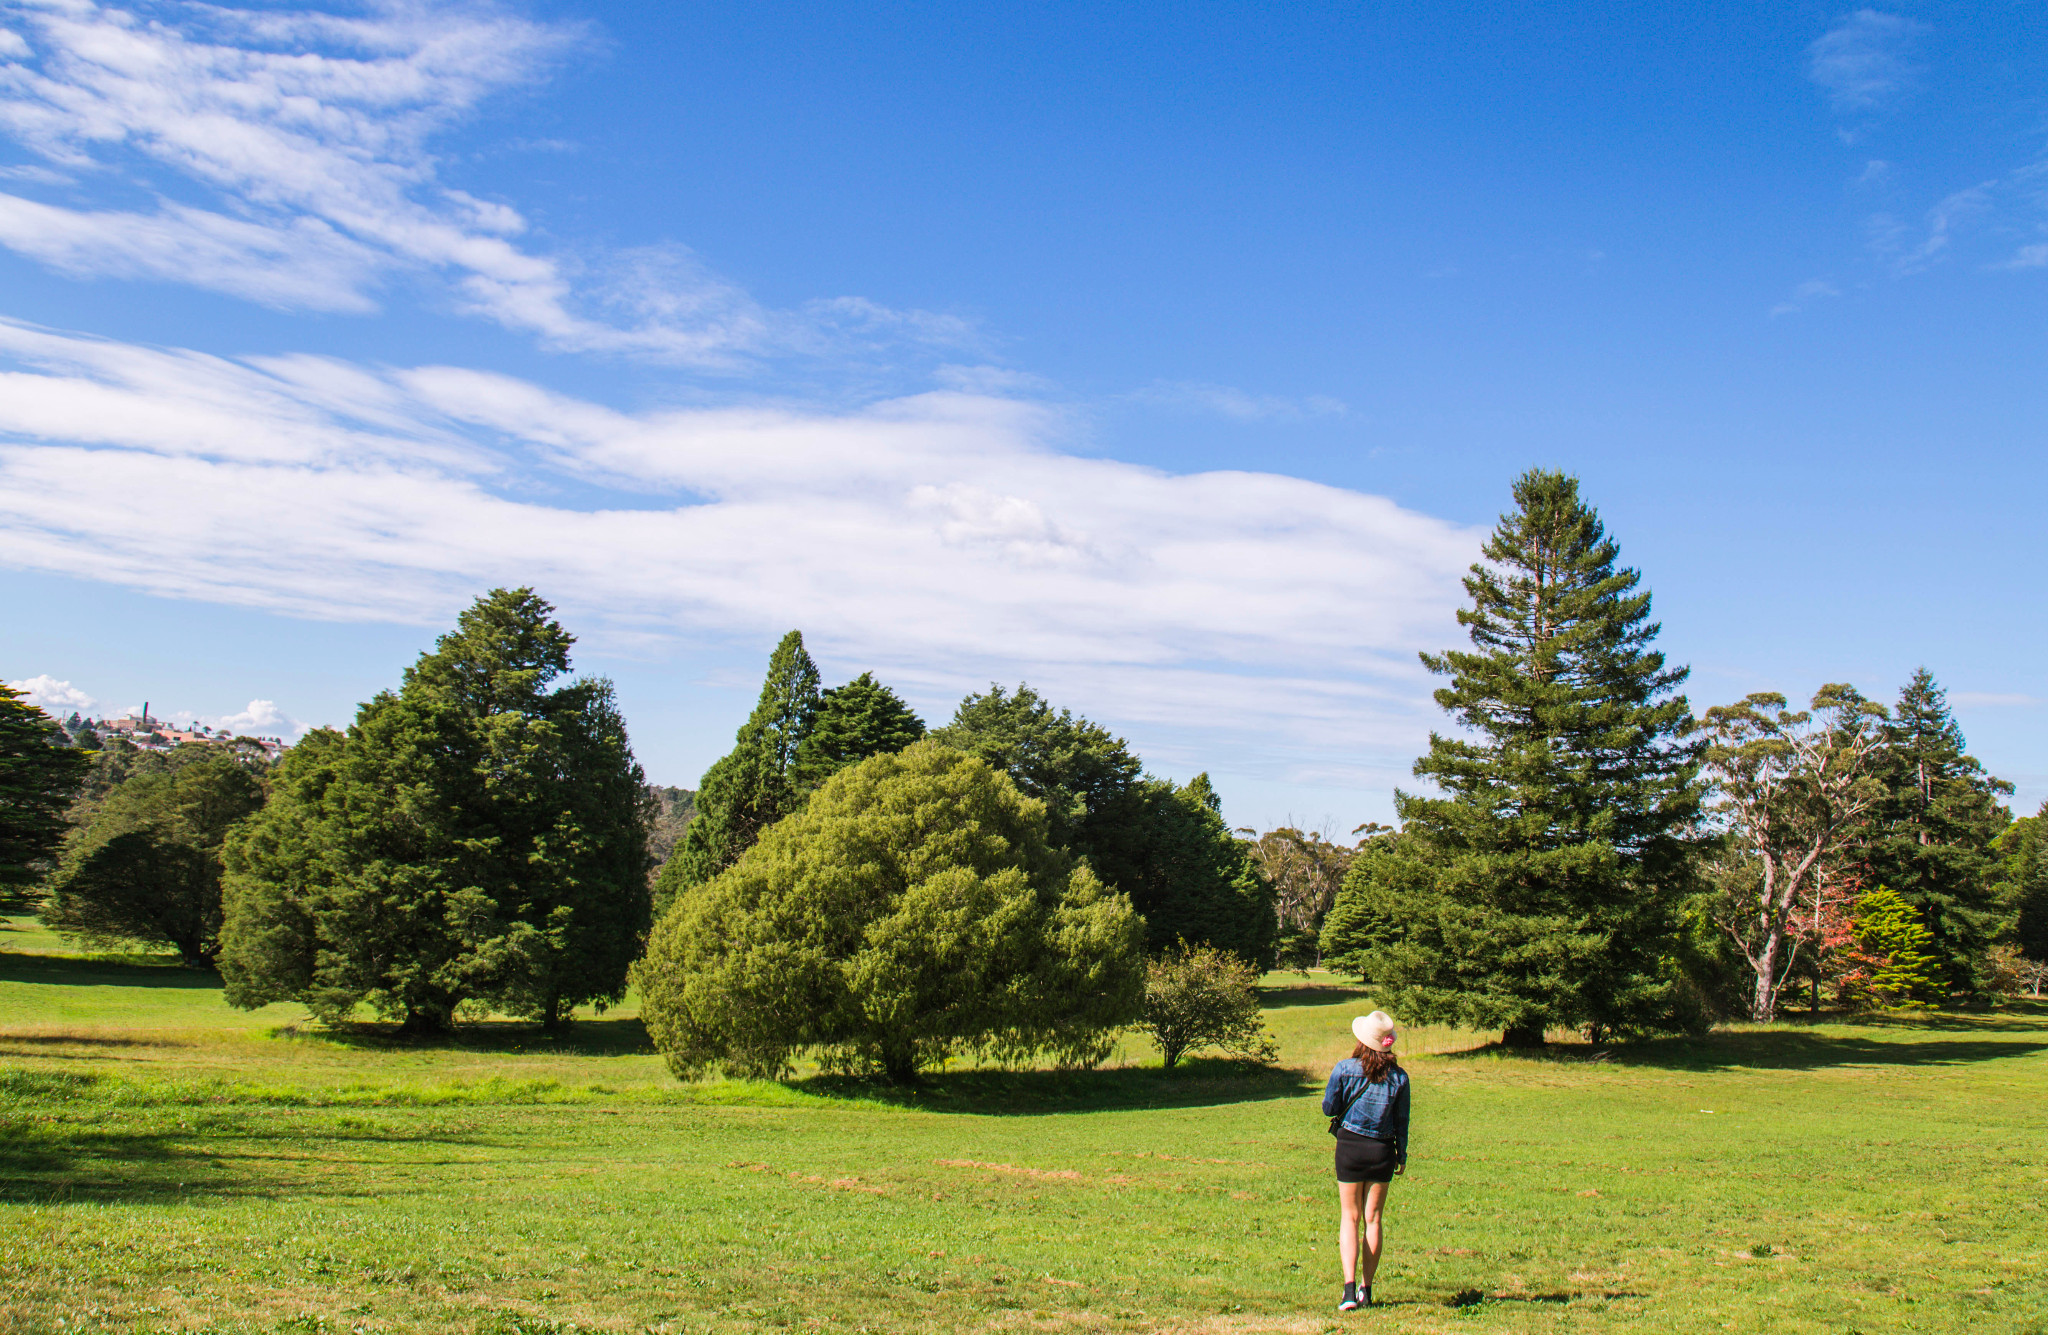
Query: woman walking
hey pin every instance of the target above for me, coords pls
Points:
(1367, 1104)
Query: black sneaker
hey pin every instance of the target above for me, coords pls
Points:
(1351, 1302)
(1365, 1295)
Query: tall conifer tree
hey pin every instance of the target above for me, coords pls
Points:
(1557, 853)
(1936, 831)
(753, 785)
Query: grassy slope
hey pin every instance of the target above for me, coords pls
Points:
(165, 1162)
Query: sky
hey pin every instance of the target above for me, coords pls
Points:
(1173, 359)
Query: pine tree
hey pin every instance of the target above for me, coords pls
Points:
(860, 719)
(754, 785)
(1935, 833)
(39, 775)
(1891, 961)
(1558, 851)
(480, 833)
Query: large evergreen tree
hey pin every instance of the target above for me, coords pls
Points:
(1934, 835)
(480, 833)
(1164, 845)
(860, 719)
(753, 785)
(1555, 857)
(39, 775)
(147, 866)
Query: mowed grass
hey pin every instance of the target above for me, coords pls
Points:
(166, 1163)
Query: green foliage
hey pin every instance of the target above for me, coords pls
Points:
(1189, 877)
(913, 908)
(1200, 997)
(147, 866)
(2022, 888)
(1894, 960)
(1559, 848)
(1933, 835)
(860, 719)
(1084, 774)
(754, 785)
(479, 833)
(39, 775)
(1164, 845)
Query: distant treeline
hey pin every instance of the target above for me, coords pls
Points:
(1587, 854)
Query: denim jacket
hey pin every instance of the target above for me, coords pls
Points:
(1377, 1110)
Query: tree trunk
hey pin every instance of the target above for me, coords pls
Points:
(552, 1019)
(1763, 1006)
(1523, 1036)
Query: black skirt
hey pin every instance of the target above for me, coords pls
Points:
(1364, 1159)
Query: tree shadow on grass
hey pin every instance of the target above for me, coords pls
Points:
(117, 971)
(1807, 1050)
(582, 1038)
(1195, 1083)
(1308, 994)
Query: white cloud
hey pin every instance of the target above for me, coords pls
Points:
(56, 697)
(1992, 700)
(1861, 61)
(261, 719)
(944, 536)
(1236, 404)
(312, 133)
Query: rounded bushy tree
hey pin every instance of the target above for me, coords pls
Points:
(913, 908)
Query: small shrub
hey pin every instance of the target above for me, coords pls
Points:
(1201, 997)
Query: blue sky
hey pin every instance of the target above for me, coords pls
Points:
(1172, 358)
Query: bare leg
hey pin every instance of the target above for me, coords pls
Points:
(1350, 1204)
(1375, 1201)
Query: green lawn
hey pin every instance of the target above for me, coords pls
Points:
(166, 1163)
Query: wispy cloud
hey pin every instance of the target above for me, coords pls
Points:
(1993, 700)
(309, 134)
(1862, 61)
(1812, 290)
(946, 536)
(1236, 404)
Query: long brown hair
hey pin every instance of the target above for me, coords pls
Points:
(1377, 1063)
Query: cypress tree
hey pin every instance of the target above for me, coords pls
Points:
(1935, 834)
(860, 719)
(754, 785)
(480, 833)
(1558, 852)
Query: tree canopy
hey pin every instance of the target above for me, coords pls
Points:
(39, 775)
(479, 833)
(860, 719)
(147, 866)
(913, 908)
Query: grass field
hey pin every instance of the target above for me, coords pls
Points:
(167, 1163)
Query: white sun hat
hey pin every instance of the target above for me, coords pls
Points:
(1375, 1030)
